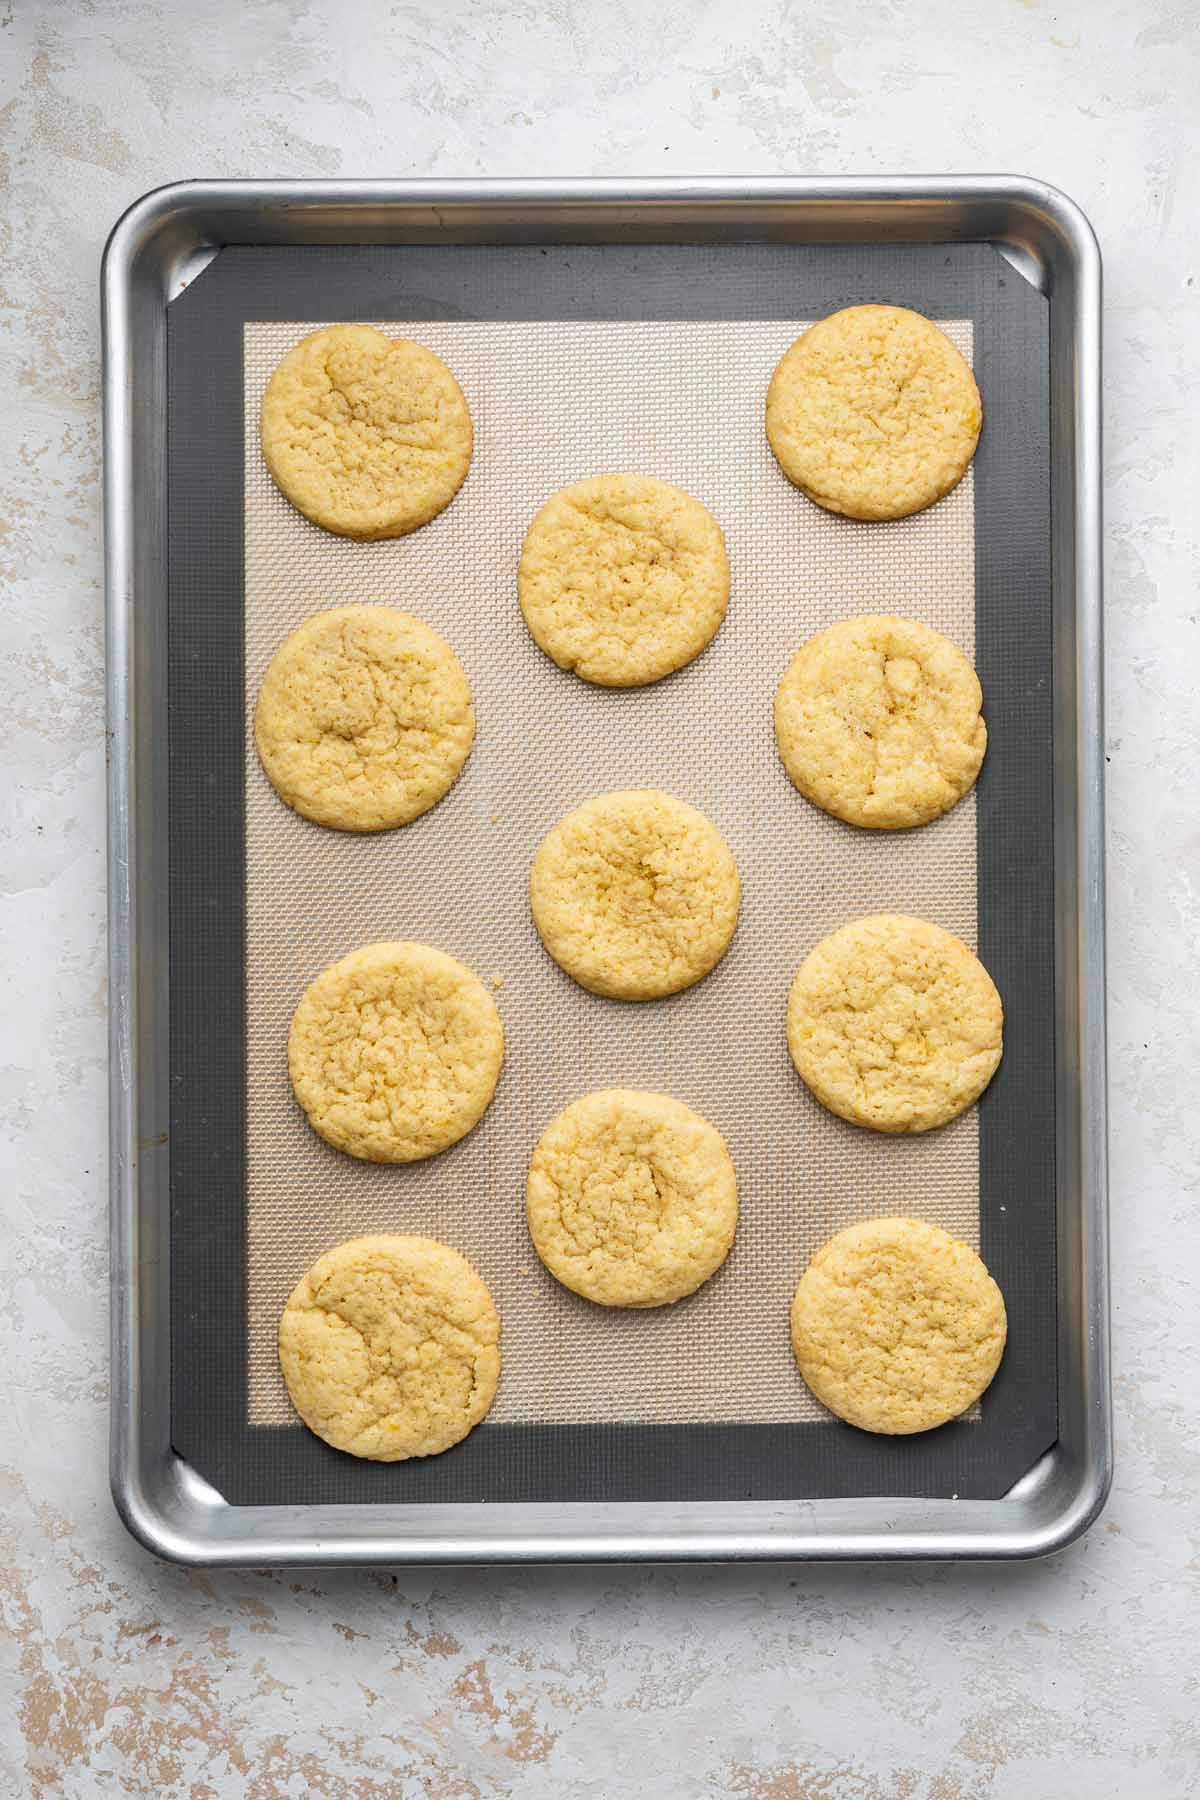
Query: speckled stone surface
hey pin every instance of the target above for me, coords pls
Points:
(1071, 1678)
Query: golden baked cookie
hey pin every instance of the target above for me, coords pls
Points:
(877, 721)
(394, 1052)
(623, 579)
(635, 894)
(896, 1326)
(894, 1024)
(390, 1347)
(631, 1199)
(366, 435)
(364, 718)
(874, 413)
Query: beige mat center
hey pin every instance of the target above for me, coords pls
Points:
(553, 402)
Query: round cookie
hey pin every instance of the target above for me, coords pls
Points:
(390, 1347)
(623, 579)
(894, 1024)
(364, 718)
(877, 721)
(635, 894)
(366, 435)
(873, 413)
(394, 1052)
(631, 1199)
(897, 1327)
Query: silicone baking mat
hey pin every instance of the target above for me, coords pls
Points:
(553, 402)
(554, 399)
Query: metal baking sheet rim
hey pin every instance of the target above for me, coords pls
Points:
(154, 249)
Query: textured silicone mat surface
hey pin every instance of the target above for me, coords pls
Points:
(700, 1401)
(553, 402)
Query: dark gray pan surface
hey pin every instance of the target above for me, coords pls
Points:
(1015, 848)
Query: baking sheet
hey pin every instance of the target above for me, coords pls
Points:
(612, 393)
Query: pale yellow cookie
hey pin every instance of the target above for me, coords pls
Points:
(877, 721)
(631, 1199)
(364, 718)
(390, 1347)
(623, 579)
(635, 894)
(874, 413)
(367, 435)
(896, 1326)
(394, 1052)
(894, 1024)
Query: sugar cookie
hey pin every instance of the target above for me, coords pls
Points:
(631, 1199)
(894, 1024)
(877, 721)
(394, 1052)
(368, 436)
(635, 894)
(364, 718)
(623, 578)
(390, 1347)
(874, 413)
(897, 1327)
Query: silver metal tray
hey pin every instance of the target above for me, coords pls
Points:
(155, 250)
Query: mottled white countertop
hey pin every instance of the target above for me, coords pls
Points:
(1070, 1678)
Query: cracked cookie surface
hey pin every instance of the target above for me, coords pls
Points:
(394, 1052)
(896, 1326)
(364, 718)
(873, 413)
(631, 1198)
(623, 579)
(390, 1347)
(894, 1024)
(635, 894)
(368, 436)
(877, 721)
